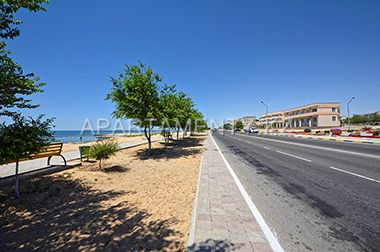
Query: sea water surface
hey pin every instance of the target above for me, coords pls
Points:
(74, 136)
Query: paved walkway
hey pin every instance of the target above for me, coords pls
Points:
(8, 170)
(222, 218)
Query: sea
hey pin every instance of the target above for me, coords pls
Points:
(74, 136)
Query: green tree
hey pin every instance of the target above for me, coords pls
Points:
(14, 85)
(136, 96)
(239, 125)
(23, 138)
(8, 8)
(103, 150)
(227, 126)
(375, 118)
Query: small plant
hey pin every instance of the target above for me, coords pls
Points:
(307, 130)
(103, 150)
(318, 131)
(376, 133)
(327, 132)
(96, 179)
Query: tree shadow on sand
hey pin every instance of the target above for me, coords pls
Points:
(175, 149)
(56, 213)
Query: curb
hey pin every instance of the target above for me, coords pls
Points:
(325, 138)
(190, 243)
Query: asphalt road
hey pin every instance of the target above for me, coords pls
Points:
(315, 195)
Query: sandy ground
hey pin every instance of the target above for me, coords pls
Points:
(121, 138)
(139, 201)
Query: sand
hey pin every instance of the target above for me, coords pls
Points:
(139, 201)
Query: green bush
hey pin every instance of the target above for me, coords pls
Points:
(376, 133)
(350, 130)
(103, 150)
(318, 131)
(327, 132)
(307, 130)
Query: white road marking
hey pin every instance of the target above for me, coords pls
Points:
(264, 226)
(248, 142)
(290, 155)
(357, 175)
(266, 148)
(317, 147)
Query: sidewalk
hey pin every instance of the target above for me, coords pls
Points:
(222, 218)
(8, 170)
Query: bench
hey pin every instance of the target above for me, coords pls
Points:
(53, 149)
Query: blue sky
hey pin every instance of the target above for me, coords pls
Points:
(227, 55)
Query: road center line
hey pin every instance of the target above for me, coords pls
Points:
(284, 153)
(266, 148)
(357, 175)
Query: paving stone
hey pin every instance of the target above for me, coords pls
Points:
(231, 212)
(204, 224)
(217, 211)
(243, 247)
(203, 233)
(252, 227)
(203, 210)
(220, 235)
(219, 225)
(245, 212)
(256, 237)
(216, 204)
(229, 206)
(248, 219)
(262, 247)
(238, 236)
(233, 218)
(218, 217)
(236, 226)
(206, 217)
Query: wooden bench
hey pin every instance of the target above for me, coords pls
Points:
(53, 149)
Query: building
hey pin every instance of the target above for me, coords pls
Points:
(313, 115)
(246, 120)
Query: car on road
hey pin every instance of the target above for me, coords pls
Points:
(251, 129)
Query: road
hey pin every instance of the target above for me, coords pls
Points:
(315, 195)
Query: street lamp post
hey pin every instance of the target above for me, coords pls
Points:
(348, 112)
(267, 114)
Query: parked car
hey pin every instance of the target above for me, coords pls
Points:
(251, 129)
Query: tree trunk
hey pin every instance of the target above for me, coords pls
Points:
(149, 140)
(100, 164)
(16, 180)
(177, 133)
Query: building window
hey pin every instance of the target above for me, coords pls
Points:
(334, 118)
(333, 109)
(314, 110)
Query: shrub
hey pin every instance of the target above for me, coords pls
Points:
(103, 150)
(307, 130)
(327, 131)
(318, 131)
(376, 133)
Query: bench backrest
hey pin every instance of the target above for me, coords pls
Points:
(47, 151)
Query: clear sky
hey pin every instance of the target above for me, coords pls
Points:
(226, 55)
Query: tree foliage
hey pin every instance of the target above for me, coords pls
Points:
(239, 125)
(8, 8)
(14, 85)
(23, 138)
(135, 94)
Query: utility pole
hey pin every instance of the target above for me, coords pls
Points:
(348, 112)
(267, 114)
